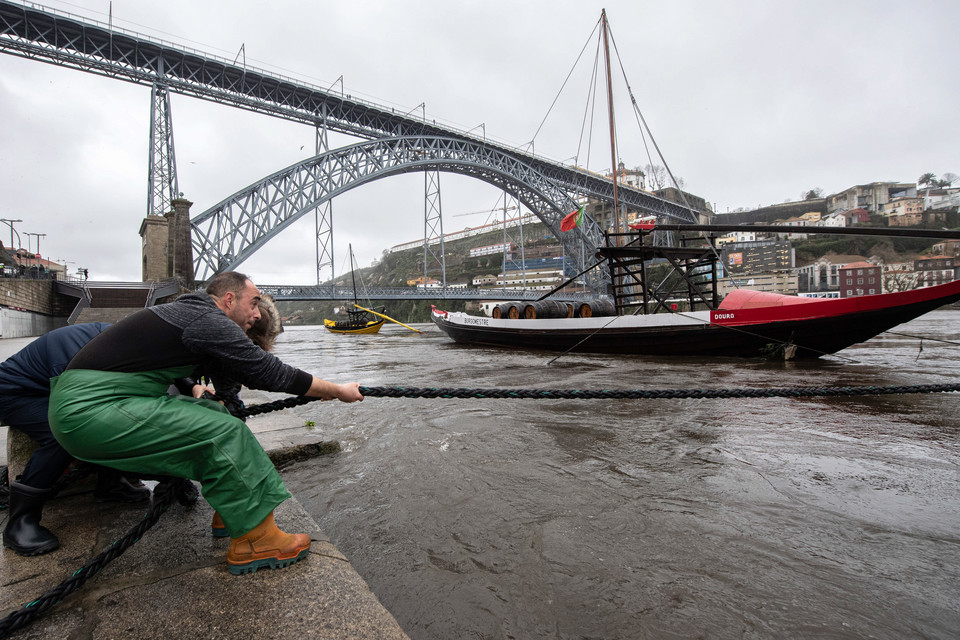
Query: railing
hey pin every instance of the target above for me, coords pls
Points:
(328, 292)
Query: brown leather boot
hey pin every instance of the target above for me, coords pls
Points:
(266, 546)
(217, 528)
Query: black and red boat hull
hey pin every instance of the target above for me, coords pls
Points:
(767, 325)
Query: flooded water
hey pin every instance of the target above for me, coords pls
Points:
(740, 518)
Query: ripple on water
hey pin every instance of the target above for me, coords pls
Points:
(764, 518)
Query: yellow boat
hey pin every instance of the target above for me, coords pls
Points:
(351, 326)
(358, 319)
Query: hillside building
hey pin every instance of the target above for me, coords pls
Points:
(941, 199)
(949, 248)
(873, 197)
(541, 274)
(506, 249)
(860, 279)
(904, 212)
(935, 270)
(824, 274)
(482, 282)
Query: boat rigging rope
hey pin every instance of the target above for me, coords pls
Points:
(170, 489)
(910, 335)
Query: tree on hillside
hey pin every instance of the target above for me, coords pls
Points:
(813, 194)
(927, 179)
(947, 180)
(656, 176)
(895, 279)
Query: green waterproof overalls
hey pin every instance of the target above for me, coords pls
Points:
(127, 421)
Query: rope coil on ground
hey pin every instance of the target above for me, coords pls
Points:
(163, 494)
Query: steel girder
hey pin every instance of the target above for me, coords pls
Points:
(232, 230)
(42, 34)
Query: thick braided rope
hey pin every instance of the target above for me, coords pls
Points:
(163, 495)
(617, 394)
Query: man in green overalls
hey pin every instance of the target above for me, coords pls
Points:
(111, 407)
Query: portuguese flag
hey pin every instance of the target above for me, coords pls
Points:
(573, 219)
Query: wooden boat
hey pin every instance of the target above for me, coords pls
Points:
(358, 324)
(643, 316)
(359, 320)
(746, 323)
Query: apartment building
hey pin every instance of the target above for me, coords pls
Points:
(935, 270)
(824, 274)
(873, 197)
(860, 279)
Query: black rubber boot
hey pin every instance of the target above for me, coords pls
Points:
(113, 487)
(23, 532)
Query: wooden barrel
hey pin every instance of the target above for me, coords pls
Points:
(547, 309)
(497, 311)
(596, 308)
(510, 310)
(555, 309)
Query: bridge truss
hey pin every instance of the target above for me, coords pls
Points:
(233, 229)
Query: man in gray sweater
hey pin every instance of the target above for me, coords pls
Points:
(111, 407)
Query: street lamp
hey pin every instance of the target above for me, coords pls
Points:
(37, 236)
(12, 231)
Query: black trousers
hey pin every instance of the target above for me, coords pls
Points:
(28, 414)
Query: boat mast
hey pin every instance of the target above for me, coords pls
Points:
(353, 277)
(618, 227)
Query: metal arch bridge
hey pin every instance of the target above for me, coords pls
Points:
(36, 32)
(232, 230)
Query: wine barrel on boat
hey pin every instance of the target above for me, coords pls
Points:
(547, 309)
(595, 308)
(511, 310)
(505, 310)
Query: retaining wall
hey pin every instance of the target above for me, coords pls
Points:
(31, 308)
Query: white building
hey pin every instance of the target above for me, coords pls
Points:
(824, 274)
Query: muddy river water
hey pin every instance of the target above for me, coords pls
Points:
(736, 518)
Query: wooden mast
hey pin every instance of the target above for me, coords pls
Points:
(353, 277)
(618, 226)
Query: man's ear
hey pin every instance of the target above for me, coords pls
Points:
(229, 298)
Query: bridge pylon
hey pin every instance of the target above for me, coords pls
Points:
(323, 215)
(162, 186)
(433, 228)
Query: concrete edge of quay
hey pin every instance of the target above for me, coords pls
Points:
(174, 581)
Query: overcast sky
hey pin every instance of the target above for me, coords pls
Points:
(752, 103)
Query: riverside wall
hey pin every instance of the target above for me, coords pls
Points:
(31, 307)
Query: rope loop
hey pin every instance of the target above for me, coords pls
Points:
(166, 491)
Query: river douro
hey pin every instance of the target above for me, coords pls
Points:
(736, 518)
